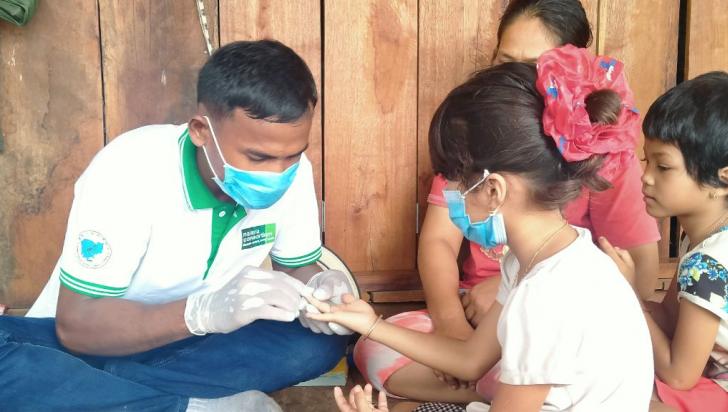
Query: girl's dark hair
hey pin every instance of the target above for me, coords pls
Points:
(493, 121)
(694, 117)
(265, 78)
(565, 19)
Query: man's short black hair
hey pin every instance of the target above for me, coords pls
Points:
(265, 78)
(694, 117)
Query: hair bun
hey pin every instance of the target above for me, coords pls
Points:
(603, 106)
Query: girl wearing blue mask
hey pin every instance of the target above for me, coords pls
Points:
(550, 337)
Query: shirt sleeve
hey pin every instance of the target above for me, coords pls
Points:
(107, 232)
(435, 197)
(540, 339)
(704, 282)
(619, 213)
(298, 237)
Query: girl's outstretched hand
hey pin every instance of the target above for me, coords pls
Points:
(622, 258)
(360, 400)
(353, 313)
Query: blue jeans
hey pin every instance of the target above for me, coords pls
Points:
(38, 373)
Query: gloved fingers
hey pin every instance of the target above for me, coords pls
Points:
(314, 326)
(295, 284)
(339, 329)
(303, 320)
(280, 298)
(273, 313)
(322, 326)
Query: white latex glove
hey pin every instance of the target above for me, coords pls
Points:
(252, 294)
(327, 286)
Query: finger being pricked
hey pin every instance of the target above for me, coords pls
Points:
(323, 307)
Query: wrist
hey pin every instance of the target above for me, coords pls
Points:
(374, 323)
(192, 315)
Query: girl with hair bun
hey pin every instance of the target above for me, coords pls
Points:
(516, 144)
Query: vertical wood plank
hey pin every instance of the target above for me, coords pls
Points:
(643, 34)
(151, 53)
(370, 132)
(707, 37)
(456, 38)
(591, 7)
(297, 24)
(51, 122)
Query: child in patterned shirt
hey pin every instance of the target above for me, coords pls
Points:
(686, 175)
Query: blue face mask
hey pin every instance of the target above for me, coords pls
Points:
(251, 189)
(488, 233)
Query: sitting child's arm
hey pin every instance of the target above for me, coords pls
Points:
(467, 360)
(680, 360)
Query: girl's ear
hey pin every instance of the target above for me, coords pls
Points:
(723, 176)
(497, 187)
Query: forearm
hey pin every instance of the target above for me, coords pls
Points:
(660, 345)
(449, 355)
(113, 326)
(303, 273)
(646, 262)
(441, 282)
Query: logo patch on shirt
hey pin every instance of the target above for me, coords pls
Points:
(258, 235)
(93, 250)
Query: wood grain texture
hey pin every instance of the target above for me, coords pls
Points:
(707, 37)
(151, 53)
(456, 38)
(297, 24)
(51, 120)
(643, 34)
(370, 132)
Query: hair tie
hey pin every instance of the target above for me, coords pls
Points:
(566, 76)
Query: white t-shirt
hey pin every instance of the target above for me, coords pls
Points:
(702, 277)
(143, 226)
(574, 322)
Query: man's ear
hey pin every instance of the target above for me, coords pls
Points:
(199, 130)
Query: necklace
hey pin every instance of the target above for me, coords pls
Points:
(712, 229)
(540, 248)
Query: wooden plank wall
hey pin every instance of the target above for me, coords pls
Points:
(707, 37)
(151, 53)
(370, 129)
(382, 66)
(51, 125)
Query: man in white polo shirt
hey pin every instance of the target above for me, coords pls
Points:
(156, 297)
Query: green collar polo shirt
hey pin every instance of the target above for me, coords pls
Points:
(144, 226)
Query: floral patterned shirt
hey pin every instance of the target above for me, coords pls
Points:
(703, 280)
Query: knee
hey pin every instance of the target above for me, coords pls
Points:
(315, 357)
(323, 351)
